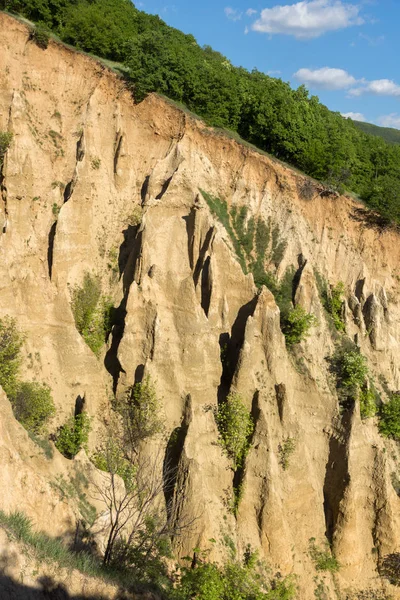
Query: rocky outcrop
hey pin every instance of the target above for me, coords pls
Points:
(84, 159)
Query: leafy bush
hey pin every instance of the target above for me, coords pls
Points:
(235, 426)
(92, 312)
(297, 324)
(234, 580)
(389, 418)
(11, 341)
(353, 379)
(323, 559)
(5, 141)
(286, 450)
(334, 305)
(74, 435)
(368, 406)
(354, 369)
(140, 409)
(33, 405)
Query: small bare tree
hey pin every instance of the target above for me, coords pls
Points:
(141, 525)
(137, 487)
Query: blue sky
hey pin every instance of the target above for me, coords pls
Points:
(345, 52)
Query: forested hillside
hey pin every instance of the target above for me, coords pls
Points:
(290, 124)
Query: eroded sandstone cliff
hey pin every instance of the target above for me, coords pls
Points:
(82, 159)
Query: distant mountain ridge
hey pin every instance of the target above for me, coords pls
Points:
(389, 134)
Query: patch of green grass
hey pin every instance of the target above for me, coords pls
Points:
(43, 444)
(47, 549)
(219, 209)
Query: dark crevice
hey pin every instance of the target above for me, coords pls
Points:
(206, 287)
(145, 187)
(280, 392)
(172, 458)
(337, 476)
(50, 248)
(3, 196)
(297, 276)
(139, 374)
(231, 346)
(117, 153)
(129, 253)
(80, 148)
(126, 247)
(202, 254)
(238, 476)
(165, 187)
(190, 221)
(69, 188)
(111, 360)
(79, 405)
(359, 290)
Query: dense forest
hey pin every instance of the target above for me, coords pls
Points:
(288, 123)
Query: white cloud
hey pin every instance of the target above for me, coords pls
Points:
(379, 87)
(232, 13)
(250, 12)
(273, 73)
(308, 18)
(326, 78)
(392, 120)
(354, 116)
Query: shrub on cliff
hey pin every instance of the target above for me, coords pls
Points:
(33, 405)
(5, 141)
(235, 580)
(74, 435)
(141, 413)
(92, 312)
(11, 341)
(235, 425)
(389, 423)
(296, 325)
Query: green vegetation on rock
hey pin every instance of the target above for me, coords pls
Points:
(235, 426)
(389, 423)
(297, 324)
(33, 405)
(5, 141)
(11, 341)
(92, 312)
(323, 560)
(73, 435)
